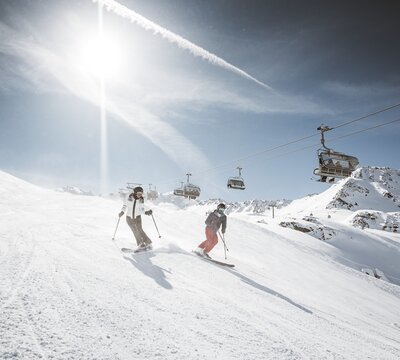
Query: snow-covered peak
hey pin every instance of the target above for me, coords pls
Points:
(384, 175)
(368, 188)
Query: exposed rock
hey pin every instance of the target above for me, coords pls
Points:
(376, 220)
(315, 228)
(348, 192)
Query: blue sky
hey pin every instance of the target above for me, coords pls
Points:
(172, 110)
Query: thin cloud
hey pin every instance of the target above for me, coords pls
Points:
(348, 90)
(190, 91)
(44, 62)
(183, 43)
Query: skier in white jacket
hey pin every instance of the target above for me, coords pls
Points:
(134, 207)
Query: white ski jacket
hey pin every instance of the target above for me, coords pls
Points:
(129, 202)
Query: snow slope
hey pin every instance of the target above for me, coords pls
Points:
(67, 292)
(351, 215)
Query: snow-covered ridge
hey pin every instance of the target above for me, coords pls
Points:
(249, 206)
(374, 188)
(74, 190)
(369, 188)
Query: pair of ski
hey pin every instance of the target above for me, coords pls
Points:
(132, 251)
(214, 261)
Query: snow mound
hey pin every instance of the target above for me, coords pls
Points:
(12, 184)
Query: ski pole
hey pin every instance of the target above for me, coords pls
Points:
(223, 240)
(155, 225)
(116, 228)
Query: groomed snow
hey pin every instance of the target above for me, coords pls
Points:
(67, 292)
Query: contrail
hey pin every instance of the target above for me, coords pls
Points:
(196, 50)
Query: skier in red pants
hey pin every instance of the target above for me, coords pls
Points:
(213, 223)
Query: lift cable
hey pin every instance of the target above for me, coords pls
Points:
(365, 116)
(257, 154)
(370, 128)
(313, 145)
(334, 139)
(303, 138)
(236, 161)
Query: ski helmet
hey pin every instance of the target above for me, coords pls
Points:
(221, 206)
(138, 189)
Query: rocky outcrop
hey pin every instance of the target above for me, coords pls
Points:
(311, 226)
(376, 220)
(366, 188)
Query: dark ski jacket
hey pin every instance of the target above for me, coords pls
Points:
(215, 220)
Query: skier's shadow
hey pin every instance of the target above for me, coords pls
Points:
(248, 281)
(143, 263)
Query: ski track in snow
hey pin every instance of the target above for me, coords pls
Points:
(68, 292)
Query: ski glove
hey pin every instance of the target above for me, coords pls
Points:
(121, 213)
(148, 212)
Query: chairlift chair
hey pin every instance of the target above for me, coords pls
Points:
(191, 191)
(178, 192)
(332, 164)
(236, 182)
(152, 194)
(188, 190)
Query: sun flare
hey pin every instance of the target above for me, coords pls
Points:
(101, 57)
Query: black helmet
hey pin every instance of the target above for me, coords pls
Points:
(138, 189)
(221, 206)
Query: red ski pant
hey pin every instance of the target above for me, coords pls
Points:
(212, 240)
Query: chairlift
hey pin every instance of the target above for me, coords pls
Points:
(152, 194)
(188, 190)
(333, 165)
(179, 191)
(236, 182)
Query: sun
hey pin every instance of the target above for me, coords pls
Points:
(101, 56)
